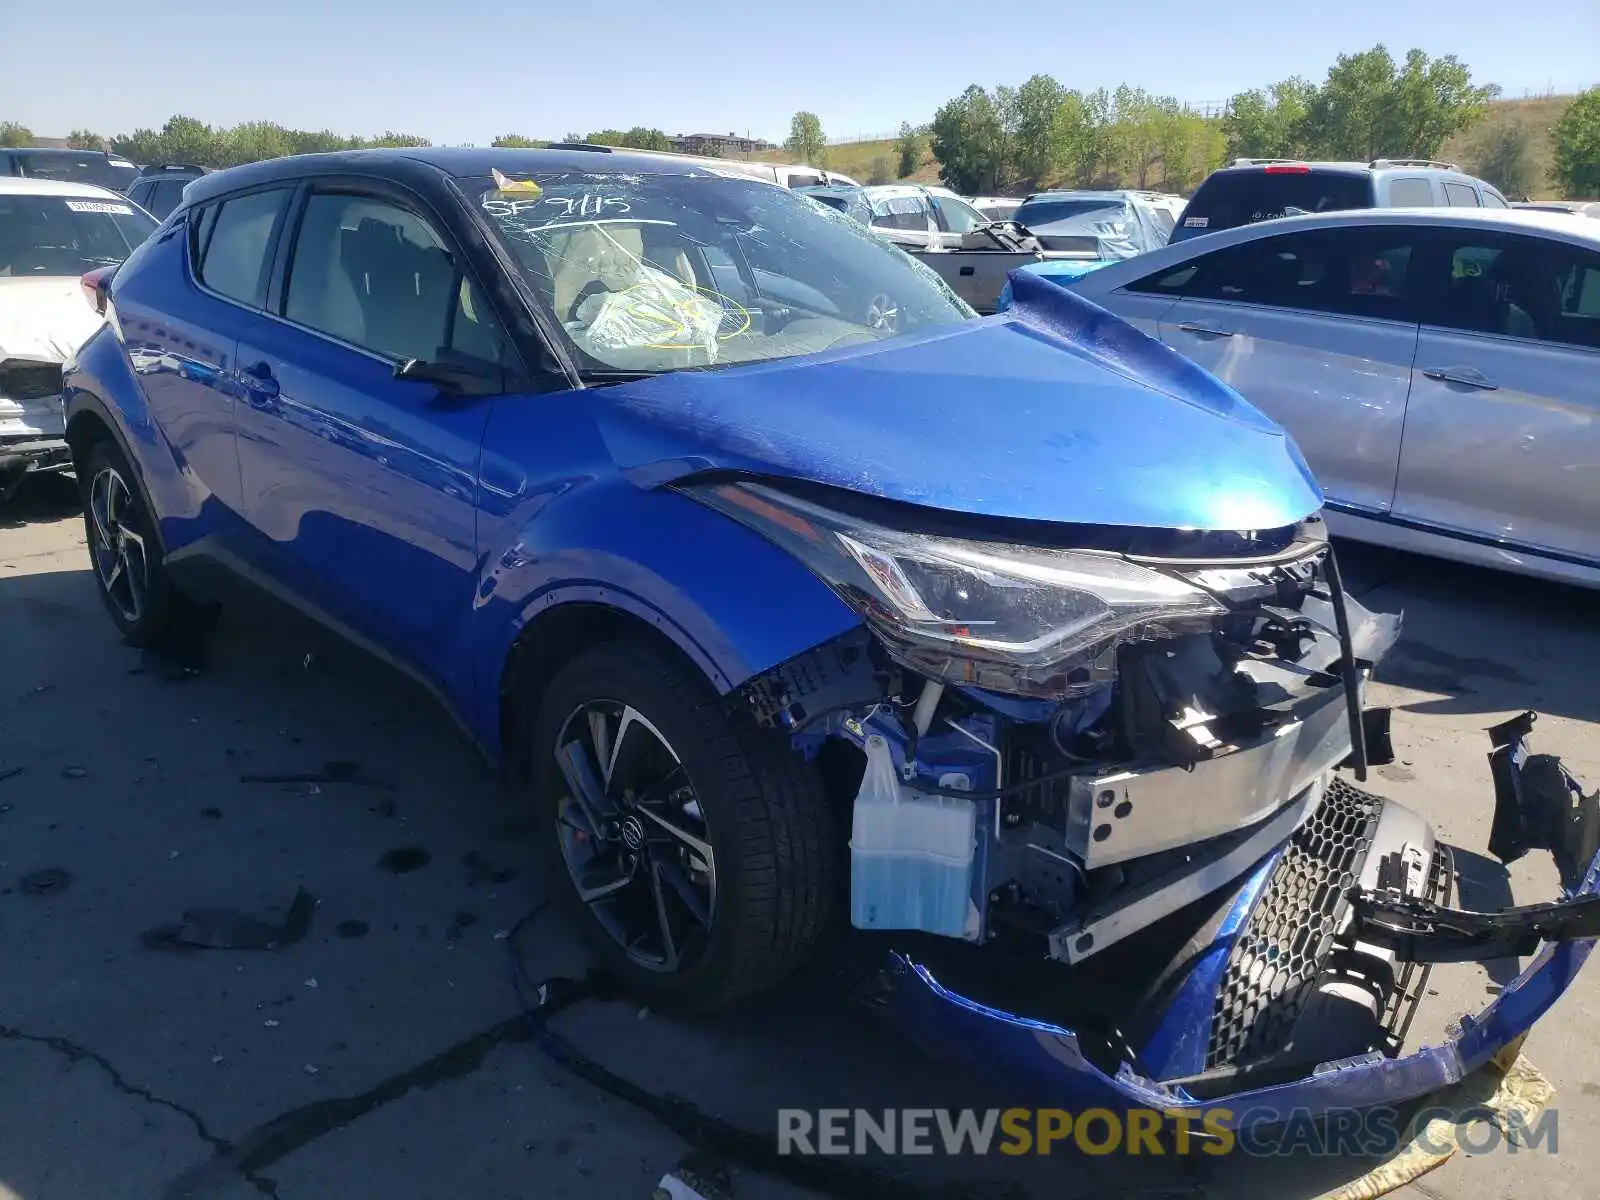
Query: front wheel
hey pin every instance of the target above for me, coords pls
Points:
(695, 855)
(126, 557)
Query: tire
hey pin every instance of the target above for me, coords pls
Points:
(139, 597)
(765, 817)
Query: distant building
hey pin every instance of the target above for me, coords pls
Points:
(719, 144)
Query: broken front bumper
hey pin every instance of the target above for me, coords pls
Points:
(1538, 806)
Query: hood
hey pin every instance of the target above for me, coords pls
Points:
(46, 318)
(1055, 411)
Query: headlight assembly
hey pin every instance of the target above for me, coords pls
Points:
(1011, 618)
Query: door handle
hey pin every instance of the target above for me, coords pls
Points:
(1203, 330)
(1465, 376)
(969, 270)
(260, 384)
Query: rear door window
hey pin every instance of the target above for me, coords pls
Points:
(1460, 195)
(237, 260)
(1521, 287)
(1356, 272)
(1229, 199)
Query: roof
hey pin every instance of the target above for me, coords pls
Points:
(1410, 166)
(11, 185)
(1095, 193)
(459, 162)
(1510, 220)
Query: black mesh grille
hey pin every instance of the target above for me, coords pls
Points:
(1290, 931)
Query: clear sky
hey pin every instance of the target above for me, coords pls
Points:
(465, 70)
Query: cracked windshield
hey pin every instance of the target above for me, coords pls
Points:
(650, 273)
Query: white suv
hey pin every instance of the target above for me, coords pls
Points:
(1439, 368)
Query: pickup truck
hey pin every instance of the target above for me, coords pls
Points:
(968, 251)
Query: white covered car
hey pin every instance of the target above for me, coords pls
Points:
(53, 234)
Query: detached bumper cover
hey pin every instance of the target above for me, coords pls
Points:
(1046, 1062)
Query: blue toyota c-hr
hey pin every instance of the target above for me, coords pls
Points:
(778, 579)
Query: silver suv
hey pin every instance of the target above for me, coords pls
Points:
(1262, 189)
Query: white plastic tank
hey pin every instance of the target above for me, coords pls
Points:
(911, 854)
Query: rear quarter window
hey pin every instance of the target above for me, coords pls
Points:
(1411, 193)
(1232, 198)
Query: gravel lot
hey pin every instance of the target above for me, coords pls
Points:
(382, 1054)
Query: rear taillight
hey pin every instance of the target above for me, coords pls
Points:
(94, 287)
(1289, 169)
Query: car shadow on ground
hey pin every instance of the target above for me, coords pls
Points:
(40, 498)
(157, 798)
(1478, 641)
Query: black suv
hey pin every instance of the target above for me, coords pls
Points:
(158, 189)
(73, 166)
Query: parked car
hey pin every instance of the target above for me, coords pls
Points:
(55, 240)
(995, 208)
(158, 189)
(75, 166)
(969, 252)
(1579, 208)
(1041, 614)
(1439, 368)
(1262, 189)
(1104, 225)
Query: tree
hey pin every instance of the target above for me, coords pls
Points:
(882, 170)
(969, 141)
(1368, 107)
(641, 138)
(186, 140)
(13, 133)
(1502, 153)
(1270, 123)
(909, 147)
(1037, 133)
(400, 139)
(322, 141)
(1576, 144)
(515, 141)
(1097, 145)
(806, 142)
(82, 139)
(250, 142)
(142, 146)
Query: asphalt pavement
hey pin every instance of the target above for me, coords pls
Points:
(265, 919)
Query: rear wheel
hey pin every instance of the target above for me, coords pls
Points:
(126, 556)
(694, 855)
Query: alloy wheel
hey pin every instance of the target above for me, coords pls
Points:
(633, 835)
(118, 549)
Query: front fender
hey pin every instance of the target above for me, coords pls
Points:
(100, 386)
(733, 602)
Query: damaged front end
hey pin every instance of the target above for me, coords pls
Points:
(1111, 764)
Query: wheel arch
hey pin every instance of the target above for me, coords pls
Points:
(91, 421)
(556, 636)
